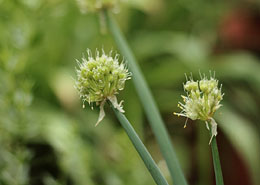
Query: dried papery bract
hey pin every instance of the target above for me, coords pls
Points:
(100, 78)
(202, 100)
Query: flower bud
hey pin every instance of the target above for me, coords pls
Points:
(206, 86)
(191, 86)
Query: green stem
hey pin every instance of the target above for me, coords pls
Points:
(216, 162)
(149, 104)
(140, 148)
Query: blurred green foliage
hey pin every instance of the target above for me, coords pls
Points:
(47, 138)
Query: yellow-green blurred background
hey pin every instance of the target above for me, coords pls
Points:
(46, 138)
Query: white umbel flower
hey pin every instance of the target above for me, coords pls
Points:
(97, 5)
(99, 79)
(202, 100)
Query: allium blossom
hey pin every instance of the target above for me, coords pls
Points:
(99, 79)
(96, 5)
(202, 100)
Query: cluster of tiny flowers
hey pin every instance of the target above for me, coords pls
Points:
(99, 79)
(96, 5)
(202, 100)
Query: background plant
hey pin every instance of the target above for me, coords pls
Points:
(42, 123)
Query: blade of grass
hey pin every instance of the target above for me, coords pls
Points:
(148, 102)
(140, 148)
(216, 162)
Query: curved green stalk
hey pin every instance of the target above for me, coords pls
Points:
(216, 162)
(140, 148)
(148, 102)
